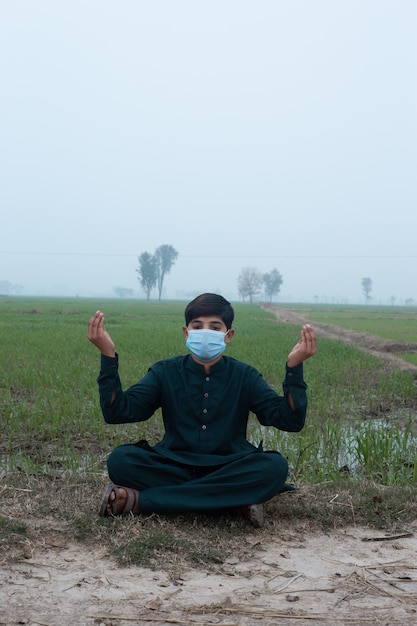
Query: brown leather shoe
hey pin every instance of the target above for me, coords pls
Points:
(255, 514)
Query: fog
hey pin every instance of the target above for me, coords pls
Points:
(265, 134)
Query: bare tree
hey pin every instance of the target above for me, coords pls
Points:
(123, 292)
(7, 288)
(147, 272)
(367, 288)
(272, 283)
(165, 257)
(249, 283)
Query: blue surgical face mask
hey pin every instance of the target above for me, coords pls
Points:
(206, 344)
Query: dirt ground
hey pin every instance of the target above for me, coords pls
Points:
(352, 577)
(296, 574)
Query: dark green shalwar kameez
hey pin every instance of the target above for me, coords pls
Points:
(204, 461)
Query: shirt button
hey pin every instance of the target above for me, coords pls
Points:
(204, 410)
(206, 395)
(204, 427)
(207, 378)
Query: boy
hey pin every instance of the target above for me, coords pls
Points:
(204, 461)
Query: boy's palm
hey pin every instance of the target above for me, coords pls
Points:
(99, 336)
(305, 348)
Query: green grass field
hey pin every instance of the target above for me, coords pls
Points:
(396, 323)
(361, 420)
(391, 323)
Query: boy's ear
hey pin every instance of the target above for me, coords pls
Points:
(229, 335)
(185, 331)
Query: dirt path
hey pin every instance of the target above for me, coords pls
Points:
(384, 349)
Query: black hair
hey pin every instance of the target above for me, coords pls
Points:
(209, 304)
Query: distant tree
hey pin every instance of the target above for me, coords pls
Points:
(249, 283)
(123, 292)
(5, 287)
(147, 272)
(409, 302)
(367, 288)
(272, 283)
(165, 257)
(392, 299)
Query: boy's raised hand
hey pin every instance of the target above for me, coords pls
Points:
(98, 335)
(305, 348)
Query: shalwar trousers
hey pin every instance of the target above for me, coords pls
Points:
(167, 486)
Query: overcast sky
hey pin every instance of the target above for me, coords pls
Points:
(264, 133)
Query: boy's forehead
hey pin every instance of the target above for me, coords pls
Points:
(207, 318)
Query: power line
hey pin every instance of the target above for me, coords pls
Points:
(219, 256)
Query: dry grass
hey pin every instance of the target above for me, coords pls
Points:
(45, 510)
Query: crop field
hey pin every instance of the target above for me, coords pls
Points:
(391, 323)
(362, 413)
(388, 322)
